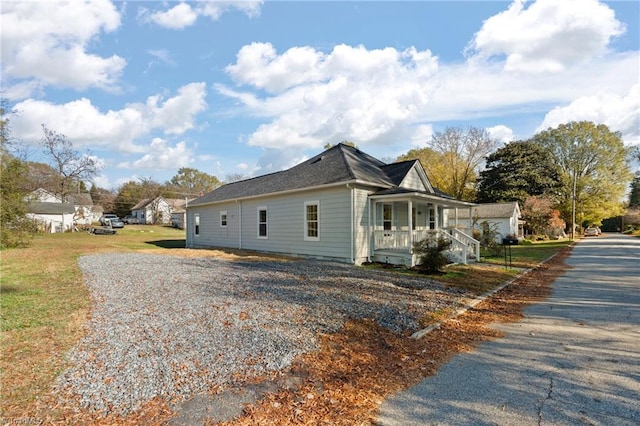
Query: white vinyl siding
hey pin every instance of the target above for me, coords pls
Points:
(413, 181)
(312, 221)
(363, 219)
(285, 224)
(263, 223)
(211, 233)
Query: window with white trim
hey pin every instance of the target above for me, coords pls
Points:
(387, 216)
(312, 221)
(262, 222)
(223, 218)
(196, 224)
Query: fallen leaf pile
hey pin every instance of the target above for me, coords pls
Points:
(355, 369)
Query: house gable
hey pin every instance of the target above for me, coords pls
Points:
(416, 178)
(43, 196)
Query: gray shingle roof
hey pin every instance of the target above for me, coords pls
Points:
(81, 199)
(491, 210)
(341, 163)
(50, 208)
(398, 171)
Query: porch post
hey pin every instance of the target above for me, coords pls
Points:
(410, 221)
(374, 225)
(456, 218)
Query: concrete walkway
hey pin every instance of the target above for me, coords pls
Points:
(573, 360)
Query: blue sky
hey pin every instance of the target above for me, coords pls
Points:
(254, 87)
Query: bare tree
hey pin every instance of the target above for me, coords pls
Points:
(72, 166)
(463, 151)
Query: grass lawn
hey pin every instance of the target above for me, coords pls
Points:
(527, 255)
(44, 303)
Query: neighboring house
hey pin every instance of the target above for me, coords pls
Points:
(96, 212)
(505, 218)
(156, 210)
(52, 213)
(51, 216)
(43, 196)
(342, 204)
(178, 213)
(84, 208)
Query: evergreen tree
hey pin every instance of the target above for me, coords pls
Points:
(517, 171)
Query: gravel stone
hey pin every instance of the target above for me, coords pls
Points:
(173, 327)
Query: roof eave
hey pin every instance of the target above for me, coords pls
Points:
(291, 191)
(441, 200)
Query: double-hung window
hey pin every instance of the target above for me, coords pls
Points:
(196, 223)
(262, 223)
(312, 220)
(387, 217)
(223, 219)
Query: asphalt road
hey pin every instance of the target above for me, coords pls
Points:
(573, 360)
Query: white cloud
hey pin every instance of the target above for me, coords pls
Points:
(162, 55)
(214, 9)
(475, 90)
(184, 15)
(350, 93)
(176, 115)
(380, 98)
(178, 17)
(621, 113)
(502, 133)
(162, 156)
(548, 35)
(84, 124)
(102, 181)
(46, 43)
(422, 135)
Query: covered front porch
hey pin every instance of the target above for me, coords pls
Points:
(400, 220)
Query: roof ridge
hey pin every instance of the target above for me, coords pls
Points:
(344, 158)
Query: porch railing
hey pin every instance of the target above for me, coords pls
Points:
(473, 245)
(392, 240)
(463, 246)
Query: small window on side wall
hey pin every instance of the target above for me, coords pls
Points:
(312, 221)
(262, 223)
(223, 218)
(196, 224)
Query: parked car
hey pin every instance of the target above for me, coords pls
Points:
(112, 220)
(592, 231)
(129, 220)
(105, 218)
(116, 222)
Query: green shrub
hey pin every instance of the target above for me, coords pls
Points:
(430, 253)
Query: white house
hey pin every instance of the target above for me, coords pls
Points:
(51, 217)
(341, 204)
(179, 212)
(84, 208)
(157, 210)
(54, 215)
(152, 211)
(505, 218)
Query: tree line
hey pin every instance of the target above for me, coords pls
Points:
(65, 174)
(576, 167)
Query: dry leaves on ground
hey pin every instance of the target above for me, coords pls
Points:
(347, 380)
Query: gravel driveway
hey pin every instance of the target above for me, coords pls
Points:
(174, 327)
